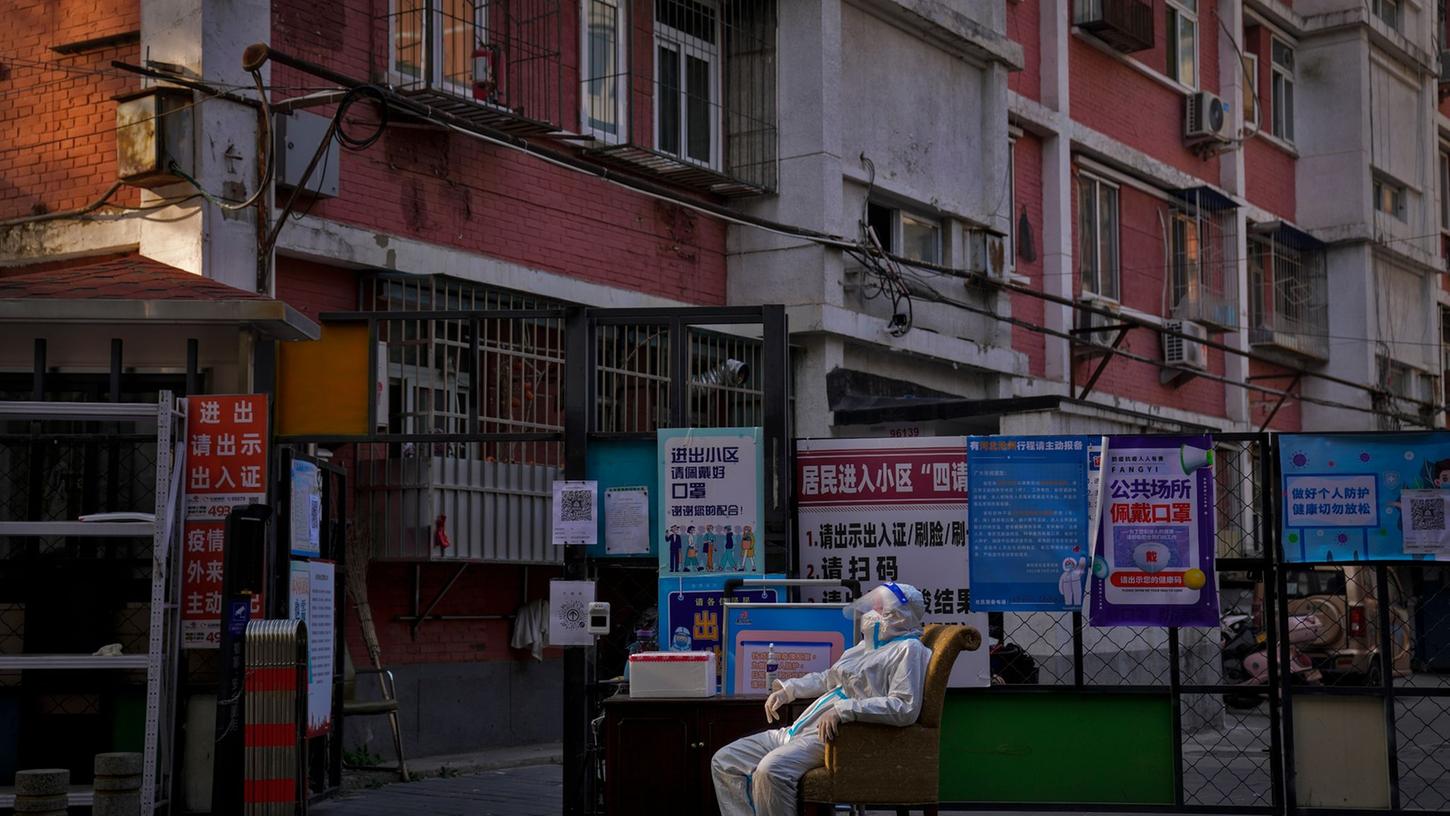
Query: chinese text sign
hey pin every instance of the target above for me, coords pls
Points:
(226, 467)
(712, 501)
(1154, 562)
(1364, 497)
(1029, 522)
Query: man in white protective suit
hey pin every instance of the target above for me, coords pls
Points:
(879, 680)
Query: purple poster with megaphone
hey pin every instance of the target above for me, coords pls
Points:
(1153, 557)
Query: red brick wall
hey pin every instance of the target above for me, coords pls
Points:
(1024, 26)
(57, 120)
(1117, 100)
(484, 589)
(1260, 404)
(313, 288)
(1027, 154)
(454, 190)
(1141, 281)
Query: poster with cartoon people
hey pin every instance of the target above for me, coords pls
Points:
(1349, 497)
(711, 501)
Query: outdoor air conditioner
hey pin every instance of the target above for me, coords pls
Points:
(1180, 352)
(1091, 331)
(988, 254)
(1206, 120)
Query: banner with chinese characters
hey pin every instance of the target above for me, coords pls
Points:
(1029, 521)
(226, 467)
(1154, 557)
(691, 611)
(878, 510)
(712, 501)
(1366, 497)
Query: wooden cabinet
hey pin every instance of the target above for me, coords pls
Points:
(657, 751)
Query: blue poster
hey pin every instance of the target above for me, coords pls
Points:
(1028, 522)
(806, 638)
(690, 610)
(1344, 496)
(711, 501)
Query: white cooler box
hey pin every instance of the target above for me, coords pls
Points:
(672, 674)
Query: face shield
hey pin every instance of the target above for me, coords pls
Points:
(888, 612)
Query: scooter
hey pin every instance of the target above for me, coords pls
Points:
(1246, 656)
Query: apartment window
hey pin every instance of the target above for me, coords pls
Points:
(603, 45)
(910, 235)
(1282, 96)
(687, 72)
(1012, 204)
(1189, 258)
(1388, 11)
(1389, 197)
(1444, 204)
(457, 28)
(1097, 203)
(1252, 100)
(1182, 17)
(1445, 359)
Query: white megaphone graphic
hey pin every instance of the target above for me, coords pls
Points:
(1192, 458)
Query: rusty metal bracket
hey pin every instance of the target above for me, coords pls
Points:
(419, 617)
(1107, 358)
(1293, 385)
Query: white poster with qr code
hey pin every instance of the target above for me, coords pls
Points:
(1422, 520)
(576, 513)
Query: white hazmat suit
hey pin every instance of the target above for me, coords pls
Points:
(879, 680)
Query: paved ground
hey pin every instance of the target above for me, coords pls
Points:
(529, 791)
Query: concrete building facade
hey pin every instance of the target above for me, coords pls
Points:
(982, 214)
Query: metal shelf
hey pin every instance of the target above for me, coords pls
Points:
(99, 529)
(93, 411)
(72, 662)
(79, 797)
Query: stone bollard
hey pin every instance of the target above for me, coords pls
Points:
(44, 792)
(117, 785)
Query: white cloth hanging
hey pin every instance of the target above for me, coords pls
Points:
(531, 627)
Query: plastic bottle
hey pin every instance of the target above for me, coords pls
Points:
(772, 668)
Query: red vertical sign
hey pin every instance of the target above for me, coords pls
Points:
(226, 466)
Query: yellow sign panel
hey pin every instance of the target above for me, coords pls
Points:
(322, 385)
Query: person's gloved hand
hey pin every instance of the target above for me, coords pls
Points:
(828, 725)
(775, 702)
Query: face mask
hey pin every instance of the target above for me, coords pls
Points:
(872, 624)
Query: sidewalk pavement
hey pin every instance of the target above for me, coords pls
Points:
(452, 765)
(535, 790)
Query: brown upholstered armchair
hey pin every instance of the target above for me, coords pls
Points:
(887, 765)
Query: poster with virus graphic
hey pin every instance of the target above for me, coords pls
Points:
(1348, 497)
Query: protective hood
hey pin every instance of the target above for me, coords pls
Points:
(889, 612)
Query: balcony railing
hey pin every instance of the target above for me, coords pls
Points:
(690, 97)
(1126, 25)
(1288, 295)
(491, 62)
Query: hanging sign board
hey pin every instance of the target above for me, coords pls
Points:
(1154, 563)
(712, 501)
(226, 467)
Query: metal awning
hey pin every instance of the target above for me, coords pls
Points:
(1287, 234)
(1205, 197)
(270, 317)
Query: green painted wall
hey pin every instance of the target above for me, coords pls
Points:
(1057, 747)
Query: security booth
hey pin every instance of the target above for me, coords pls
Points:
(97, 361)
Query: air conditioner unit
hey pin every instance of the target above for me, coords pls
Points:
(1180, 352)
(1095, 329)
(1206, 120)
(988, 255)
